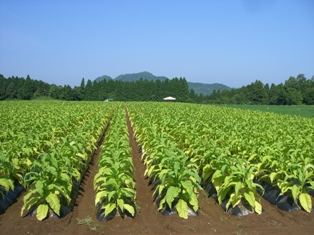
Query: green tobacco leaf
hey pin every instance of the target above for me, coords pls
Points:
(66, 177)
(109, 208)
(250, 198)
(237, 188)
(52, 170)
(111, 195)
(218, 179)
(306, 202)
(222, 193)
(40, 187)
(172, 192)
(54, 162)
(83, 156)
(207, 172)
(188, 186)
(54, 203)
(7, 183)
(161, 203)
(159, 189)
(42, 211)
(233, 200)
(182, 208)
(295, 191)
(30, 199)
(120, 203)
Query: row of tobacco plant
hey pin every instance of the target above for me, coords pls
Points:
(175, 179)
(51, 151)
(114, 183)
(238, 151)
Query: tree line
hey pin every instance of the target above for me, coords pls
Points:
(293, 91)
(140, 90)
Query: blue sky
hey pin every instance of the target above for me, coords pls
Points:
(233, 42)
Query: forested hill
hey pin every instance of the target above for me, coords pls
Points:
(205, 89)
(133, 77)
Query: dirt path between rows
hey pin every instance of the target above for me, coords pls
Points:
(211, 219)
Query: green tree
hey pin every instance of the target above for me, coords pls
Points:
(183, 90)
(54, 91)
(3, 84)
(309, 96)
(293, 94)
(11, 92)
(257, 93)
(82, 89)
(28, 89)
(88, 92)
(158, 91)
(192, 96)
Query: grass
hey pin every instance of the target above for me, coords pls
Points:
(88, 221)
(192, 229)
(295, 110)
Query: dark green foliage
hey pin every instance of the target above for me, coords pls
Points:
(205, 89)
(133, 77)
(21, 88)
(294, 91)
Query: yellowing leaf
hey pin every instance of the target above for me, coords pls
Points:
(194, 202)
(120, 203)
(42, 211)
(129, 208)
(100, 196)
(83, 156)
(182, 208)
(7, 183)
(54, 203)
(306, 202)
(28, 162)
(258, 208)
(234, 200)
(272, 176)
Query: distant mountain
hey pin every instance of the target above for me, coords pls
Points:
(102, 78)
(206, 89)
(130, 77)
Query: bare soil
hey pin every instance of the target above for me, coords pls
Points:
(211, 219)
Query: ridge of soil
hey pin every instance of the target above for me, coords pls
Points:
(211, 219)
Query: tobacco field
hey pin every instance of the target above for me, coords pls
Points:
(153, 168)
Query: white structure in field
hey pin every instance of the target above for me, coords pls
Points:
(169, 98)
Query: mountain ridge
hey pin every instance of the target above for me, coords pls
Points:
(204, 88)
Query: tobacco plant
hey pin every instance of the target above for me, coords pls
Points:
(175, 178)
(114, 184)
(261, 141)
